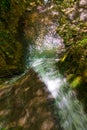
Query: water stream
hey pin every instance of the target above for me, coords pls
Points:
(43, 57)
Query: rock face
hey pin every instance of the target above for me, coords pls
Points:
(78, 10)
(29, 25)
(26, 106)
(11, 49)
(83, 3)
(83, 14)
(40, 28)
(11, 59)
(83, 10)
(37, 21)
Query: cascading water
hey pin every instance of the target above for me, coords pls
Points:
(70, 109)
(43, 56)
(45, 1)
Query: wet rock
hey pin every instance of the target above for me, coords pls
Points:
(25, 105)
(83, 14)
(83, 10)
(77, 11)
(83, 3)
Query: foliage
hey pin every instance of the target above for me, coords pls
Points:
(12, 44)
(11, 49)
(5, 5)
(73, 63)
(2, 129)
(75, 39)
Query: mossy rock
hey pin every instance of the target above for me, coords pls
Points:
(11, 59)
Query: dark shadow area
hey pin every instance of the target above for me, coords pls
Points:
(82, 94)
(27, 105)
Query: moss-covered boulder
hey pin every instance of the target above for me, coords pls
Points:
(73, 29)
(11, 49)
(11, 55)
(12, 40)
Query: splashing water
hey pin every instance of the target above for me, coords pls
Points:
(70, 110)
(45, 1)
(43, 59)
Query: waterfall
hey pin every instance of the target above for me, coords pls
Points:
(70, 110)
(44, 56)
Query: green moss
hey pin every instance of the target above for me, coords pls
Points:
(75, 39)
(76, 82)
(13, 46)
(11, 50)
(73, 63)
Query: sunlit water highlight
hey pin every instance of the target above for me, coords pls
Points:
(45, 1)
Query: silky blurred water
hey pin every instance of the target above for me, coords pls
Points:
(70, 110)
(43, 57)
